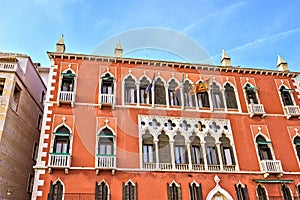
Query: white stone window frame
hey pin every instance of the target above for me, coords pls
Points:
(167, 91)
(124, 89)
(295, 150)
(267, 195)
(280, 97)
(245, 95)
(54, 136)
(98, 137)
(138, 90)
(222, 90)
(108, 189)
(165, 88)
(60, 83)
(100, 87)
(183, 93)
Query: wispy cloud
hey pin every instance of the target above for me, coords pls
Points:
(260, 41)
(228, 10)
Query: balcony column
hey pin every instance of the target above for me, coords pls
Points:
(137, 93)
(153, 94)
(224, 99)
(196, 101)
(181, 96)
(114, 93)
(202, 143)
(156, 153)
(235, 157)
(218, 144)
(100, 92)
(188, 147)
(167, 95)
(172, 153)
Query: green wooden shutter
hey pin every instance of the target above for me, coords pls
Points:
(179, 192)
(200, 192)
(135, 192)
(169, 192)
(50, 194)
(123, 191)
(96, 191)
(246, 193)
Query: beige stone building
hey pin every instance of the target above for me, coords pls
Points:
(22, 91)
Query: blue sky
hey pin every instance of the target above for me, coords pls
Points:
(251, 32)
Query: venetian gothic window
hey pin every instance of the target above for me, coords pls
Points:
(148, 149)
(217, 96)
(61, 140)
(203, 99)
(145, 97)
(230, 97)
(180, 150)
(226, 151)
(286, 193)
(130, 90)
(107, 85)
(286, 96)
(129, 191)
(56, 191)
(174, 191)
(297, 146)
(196, 150)
(261, 193)
(195, 191)
(241, 192)
(211, 150)
(102, 191)
(263, 148)
(250, 92)
(68, 80)
(174, 93)
(105, 142)
(164, 148)
(189, 99)
(160, 93)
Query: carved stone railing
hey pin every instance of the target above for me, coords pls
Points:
(256, 109)
(57, 160)
(271, 166)
(106, 162)
(291, 111)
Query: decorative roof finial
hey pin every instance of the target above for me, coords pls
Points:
(118, 50)
(225, 60)
(60, 45)
(281, 64)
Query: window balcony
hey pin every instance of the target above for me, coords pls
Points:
(105, 161)
(256, 109)
(67, 97)
(60, 160)
(292, 111)
(271, 166)
(106, 99)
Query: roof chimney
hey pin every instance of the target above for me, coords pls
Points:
(281, 64)
(118, 50)
(60, 45)
(225, 60)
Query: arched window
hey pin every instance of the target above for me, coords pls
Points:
(196, 150)
(107, 84)
(286, 193)
(67, 83)
(62, 140)
(226, 151)
(105, 142)
(145, 97)
(195, 191)
(230, 97)
(217, 96)
(241, 192)
(102, 191)
(251, 94)
(286, 96)
(298, 190)
(203, 99)
(148, 149)
(261, 193)
(180, 150)
(263, 148)
(130, 90)
(160, 93)
(164, 148)
(211, 150)
(174, 191)
(129, 191)
(297, 146)
(174, 93)
(56, 191)
(189, 99)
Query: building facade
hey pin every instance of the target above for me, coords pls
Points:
(21, 96)
(122, 128)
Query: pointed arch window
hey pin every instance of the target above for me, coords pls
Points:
(174, 191)
(105, 142)
(174, 93)
(226, 151)
(230, 97)
(189, 99)
(286, 96)
(145, 97)
(251, 94)
(263, 148)
(164, 148)
(195, 191)
(148, 149)
(102, 191)
(286, 192)
(62, 140)
(68, 80)
(203, 99)
(196, 150)
(241, 192)
(56, 191)
(180, 150)
(160, 93)
(261, 193)
(211, 150)
(107, 84)
(297, 146)
(130, 90)
(217, 96)
(129, 191)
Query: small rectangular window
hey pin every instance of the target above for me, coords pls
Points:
(39, 123)
(42, 97)
(2, 82)
(30, 183)
(35, 151)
